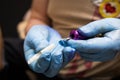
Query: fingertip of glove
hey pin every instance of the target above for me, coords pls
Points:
(69, 49)
(64, 42)
(70, 52)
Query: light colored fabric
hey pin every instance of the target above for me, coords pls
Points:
(67, 15)
(70, 14)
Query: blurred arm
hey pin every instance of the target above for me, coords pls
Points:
(38, 14)
(1, 51)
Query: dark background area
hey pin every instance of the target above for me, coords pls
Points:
(11, 13)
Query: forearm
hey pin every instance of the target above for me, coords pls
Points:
(2, 64)
(1, 60)
(1, 52)
(38, 14)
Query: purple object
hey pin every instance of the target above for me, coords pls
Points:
(77, 35)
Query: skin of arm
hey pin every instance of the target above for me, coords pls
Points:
(1, 52)
(38, 14)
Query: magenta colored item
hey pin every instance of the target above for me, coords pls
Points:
(77, 35)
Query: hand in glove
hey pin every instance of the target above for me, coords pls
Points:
(98, 48)
(49, 61)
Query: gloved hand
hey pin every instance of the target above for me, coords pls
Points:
(98, 48)
(50, 61)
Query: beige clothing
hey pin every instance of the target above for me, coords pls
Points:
(67, 15)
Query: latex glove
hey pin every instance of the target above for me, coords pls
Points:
(51, 61)
(98, 48)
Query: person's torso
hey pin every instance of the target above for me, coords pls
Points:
(67, 15)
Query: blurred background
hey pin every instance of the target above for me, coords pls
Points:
(11, 13)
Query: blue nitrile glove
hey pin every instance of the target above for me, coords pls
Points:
(98, 48)
(51, 61)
